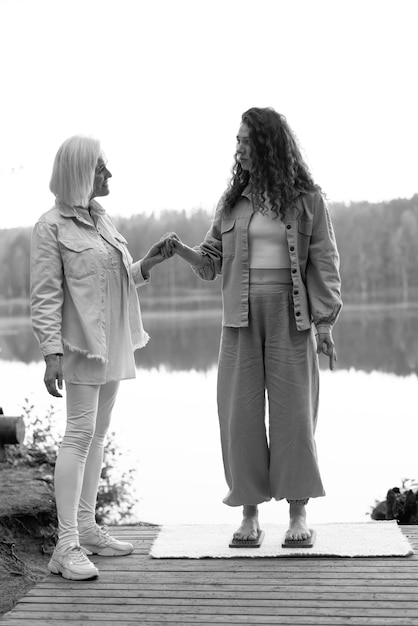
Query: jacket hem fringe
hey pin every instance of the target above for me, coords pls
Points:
(142, 342)
(84, 352)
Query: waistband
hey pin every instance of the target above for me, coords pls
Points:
(270, 276)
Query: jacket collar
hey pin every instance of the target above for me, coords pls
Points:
(247, 192)
(70, 211)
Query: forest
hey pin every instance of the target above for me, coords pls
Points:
(378, 245)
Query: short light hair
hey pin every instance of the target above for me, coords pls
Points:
(73, 172)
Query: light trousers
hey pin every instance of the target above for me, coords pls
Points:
(80, 458)
(269, 358)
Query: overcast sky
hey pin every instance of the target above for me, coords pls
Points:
(163, 84)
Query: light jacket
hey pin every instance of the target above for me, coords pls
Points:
(313, 256)
(68, 282)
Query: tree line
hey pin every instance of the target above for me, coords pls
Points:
(378, 245)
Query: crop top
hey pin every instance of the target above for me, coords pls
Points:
(267, 242)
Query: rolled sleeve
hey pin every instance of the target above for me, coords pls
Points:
(138, 275)
(47, 293)
(211, 250)
(323, 328)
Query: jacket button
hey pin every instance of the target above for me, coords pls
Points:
(292, 248)
(294, 270)
(296, 292)
(289, 226)
(297, 313)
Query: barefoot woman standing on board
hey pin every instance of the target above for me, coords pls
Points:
(273, 242)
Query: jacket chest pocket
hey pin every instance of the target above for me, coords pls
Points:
(228, 231)
(304, 239)
(305, 227)
(78, 258)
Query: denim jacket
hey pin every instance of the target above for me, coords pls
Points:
(68, 282)
(313, 256)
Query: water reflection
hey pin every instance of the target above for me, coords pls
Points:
(168, 419)
(17, 342)
(379, 339)
(181, 341)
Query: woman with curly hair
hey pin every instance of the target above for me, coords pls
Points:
(273, 242)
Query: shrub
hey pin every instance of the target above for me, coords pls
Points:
(42, 441)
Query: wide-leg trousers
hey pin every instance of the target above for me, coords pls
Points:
(269, 358)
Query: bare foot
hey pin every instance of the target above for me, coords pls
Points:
(298, 528)
(249, 527)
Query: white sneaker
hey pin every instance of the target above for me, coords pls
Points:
(98, 541)
(72, 563)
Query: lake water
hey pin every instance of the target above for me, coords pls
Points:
(166, 422)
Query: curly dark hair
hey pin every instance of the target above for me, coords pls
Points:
(279, 169)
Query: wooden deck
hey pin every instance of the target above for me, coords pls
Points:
(294, 591)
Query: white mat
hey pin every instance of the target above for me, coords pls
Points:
(355, 539)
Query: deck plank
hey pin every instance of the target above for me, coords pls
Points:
(290, 591)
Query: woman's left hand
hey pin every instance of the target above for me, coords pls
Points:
(155, 253)
(154, 256)
(53, 374)
(325, 344)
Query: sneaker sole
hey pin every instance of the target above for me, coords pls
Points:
(108, 551)
(55, 569)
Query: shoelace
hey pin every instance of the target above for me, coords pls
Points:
(103, 532)
(78, 554)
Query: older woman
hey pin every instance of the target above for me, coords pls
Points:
(272, 240)
(87, 318)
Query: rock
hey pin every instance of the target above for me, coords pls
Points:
(25, 492)
(402, 507)
(379, 511)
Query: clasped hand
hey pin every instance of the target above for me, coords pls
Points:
(163, 249)
(170, 244)
(159, 252)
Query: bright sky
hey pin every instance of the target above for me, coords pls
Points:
(163, 84)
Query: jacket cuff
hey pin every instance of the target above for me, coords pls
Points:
(323, 328)
(139, 277)
(52, 348)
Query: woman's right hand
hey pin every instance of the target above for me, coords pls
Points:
(53, 373)
(172, 244)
